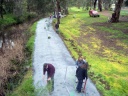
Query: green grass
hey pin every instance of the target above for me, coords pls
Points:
(26, 88)
(124, 12)
(30, 43)
(109, 69)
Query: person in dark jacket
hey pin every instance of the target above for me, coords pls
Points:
(50, 73)
(57, 27)
(81, 73)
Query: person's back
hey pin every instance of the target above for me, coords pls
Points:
(81, 72)
(50, 70)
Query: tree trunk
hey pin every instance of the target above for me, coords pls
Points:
(1, 8)
(116, 14)
(66, 11)
(95, 4)
(66, 7)
(58, 10)
(100, 5)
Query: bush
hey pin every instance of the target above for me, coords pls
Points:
(32, 15)
(7, 20)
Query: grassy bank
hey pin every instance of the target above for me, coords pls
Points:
(105, 46)
(26, 87)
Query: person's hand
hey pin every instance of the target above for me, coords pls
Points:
(49, 79)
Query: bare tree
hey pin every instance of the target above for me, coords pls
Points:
(116, 14)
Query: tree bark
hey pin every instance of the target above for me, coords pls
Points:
(95, 4)
(58, 10)
(100, 5)
(1, 8)
(116, 14)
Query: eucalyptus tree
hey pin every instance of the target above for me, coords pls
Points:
(45, 6)
(106, 4)
(95, 1)
(1, 8)
(126, 2)
(9, 6)
(20, 8)
(99, 4)
(116, 14)
(64, 5)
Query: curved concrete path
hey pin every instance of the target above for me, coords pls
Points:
(52, 50)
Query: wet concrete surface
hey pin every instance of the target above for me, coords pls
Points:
(49, 48)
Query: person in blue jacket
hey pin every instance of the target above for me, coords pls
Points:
(80, 61)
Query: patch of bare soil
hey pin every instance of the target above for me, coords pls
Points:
(104, 37)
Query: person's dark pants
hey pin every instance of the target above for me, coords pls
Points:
(52, 78)
(79, 85)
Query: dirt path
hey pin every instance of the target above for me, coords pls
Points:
(49, 48)
(106, 13)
